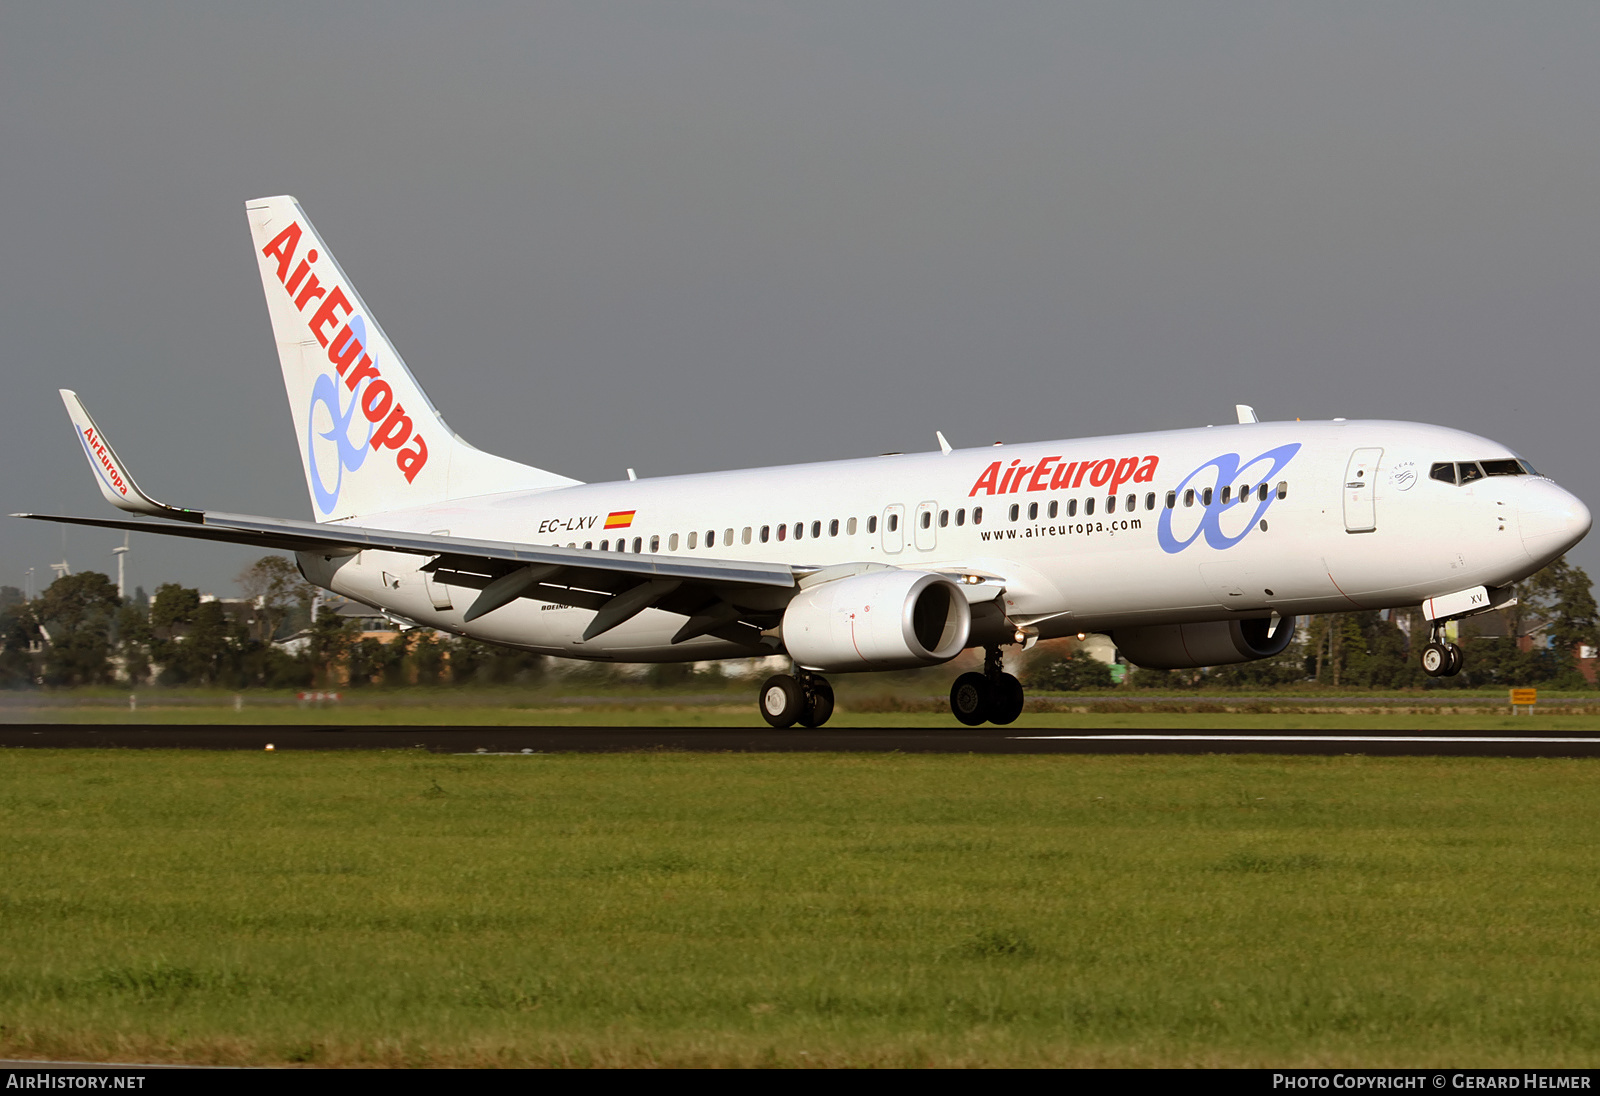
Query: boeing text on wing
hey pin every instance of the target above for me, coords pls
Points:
(1188, 547)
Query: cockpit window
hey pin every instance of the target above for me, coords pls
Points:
(1444, 471)
(1467, 471)
(1502, 468)
(1528, 468)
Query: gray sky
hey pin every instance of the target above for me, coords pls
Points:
(692, 236)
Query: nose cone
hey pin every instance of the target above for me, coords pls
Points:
(1552, 520)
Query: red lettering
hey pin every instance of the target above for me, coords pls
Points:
(375, 400)
(1082, 469)
(364, 368)
(410, 461)
(312, 290)
(1063, 476)
(282, 246)
(1022, 474)
(395, 429)
(1101, 473)
(1124, 472)
(325, 312)
(1147, 471)
(1005, 481)
(344, 348)
(1037, 483)
(985, 482)
(300, 271)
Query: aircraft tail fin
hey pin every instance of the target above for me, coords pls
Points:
(370, 440)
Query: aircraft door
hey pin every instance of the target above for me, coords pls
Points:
(894, 533)
(1360, 515)
(925, 530)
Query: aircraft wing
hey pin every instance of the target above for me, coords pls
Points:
(731, 599)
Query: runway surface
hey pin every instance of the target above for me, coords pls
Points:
(1536, 742)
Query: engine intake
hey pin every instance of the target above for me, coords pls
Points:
(880, 620)
(1212, 643)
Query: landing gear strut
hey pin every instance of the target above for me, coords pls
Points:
(993, 696)
(805, 698)
(1440, 659)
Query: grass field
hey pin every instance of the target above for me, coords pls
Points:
(671, 909)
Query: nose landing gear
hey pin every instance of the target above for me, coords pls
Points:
(993, 696)
(806, 699)
(1440, 659)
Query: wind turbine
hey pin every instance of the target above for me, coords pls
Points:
(122, 559)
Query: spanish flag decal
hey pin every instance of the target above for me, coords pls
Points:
(620, 519)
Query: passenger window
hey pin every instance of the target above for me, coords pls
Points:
(927, 519)
(744, 538)
(1226, 491)
(783, 531)
(977, 515)
(1188, 497)
(1072, 508)
(622, 545)
(799, 529)
(672, 543)
(692, 540)
(1088, 506)
(1150, 501)
(894, 522)
(872, 524)
(638, 545)
(1033, 511)
(727, 537)
(1172, 500)
(833, 527)
(1055, 508)
(1015, 511)
(850, 527)
(961, 516)
(1261, 492)
(1468, 472)
(1283, 489)
(1205, 497)
(944, 519)
(605, 545)
(588, 544)
(766, 533)
(711, 538)
(1111, 504)
(1131, 503)
(655, 545)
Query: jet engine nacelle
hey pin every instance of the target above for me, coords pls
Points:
(1212, 643)
(880, 620)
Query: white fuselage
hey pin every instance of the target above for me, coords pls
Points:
(1350, 518)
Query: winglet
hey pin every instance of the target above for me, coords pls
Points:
(110, 473)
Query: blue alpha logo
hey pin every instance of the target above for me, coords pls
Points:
(333, 425)
(1240, 492)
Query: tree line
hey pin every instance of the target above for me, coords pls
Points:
(79, 632)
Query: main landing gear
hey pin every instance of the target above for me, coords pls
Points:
(993, 696)
(806, 699)
(1440, 659)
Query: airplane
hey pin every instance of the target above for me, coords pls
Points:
(1190, 548)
